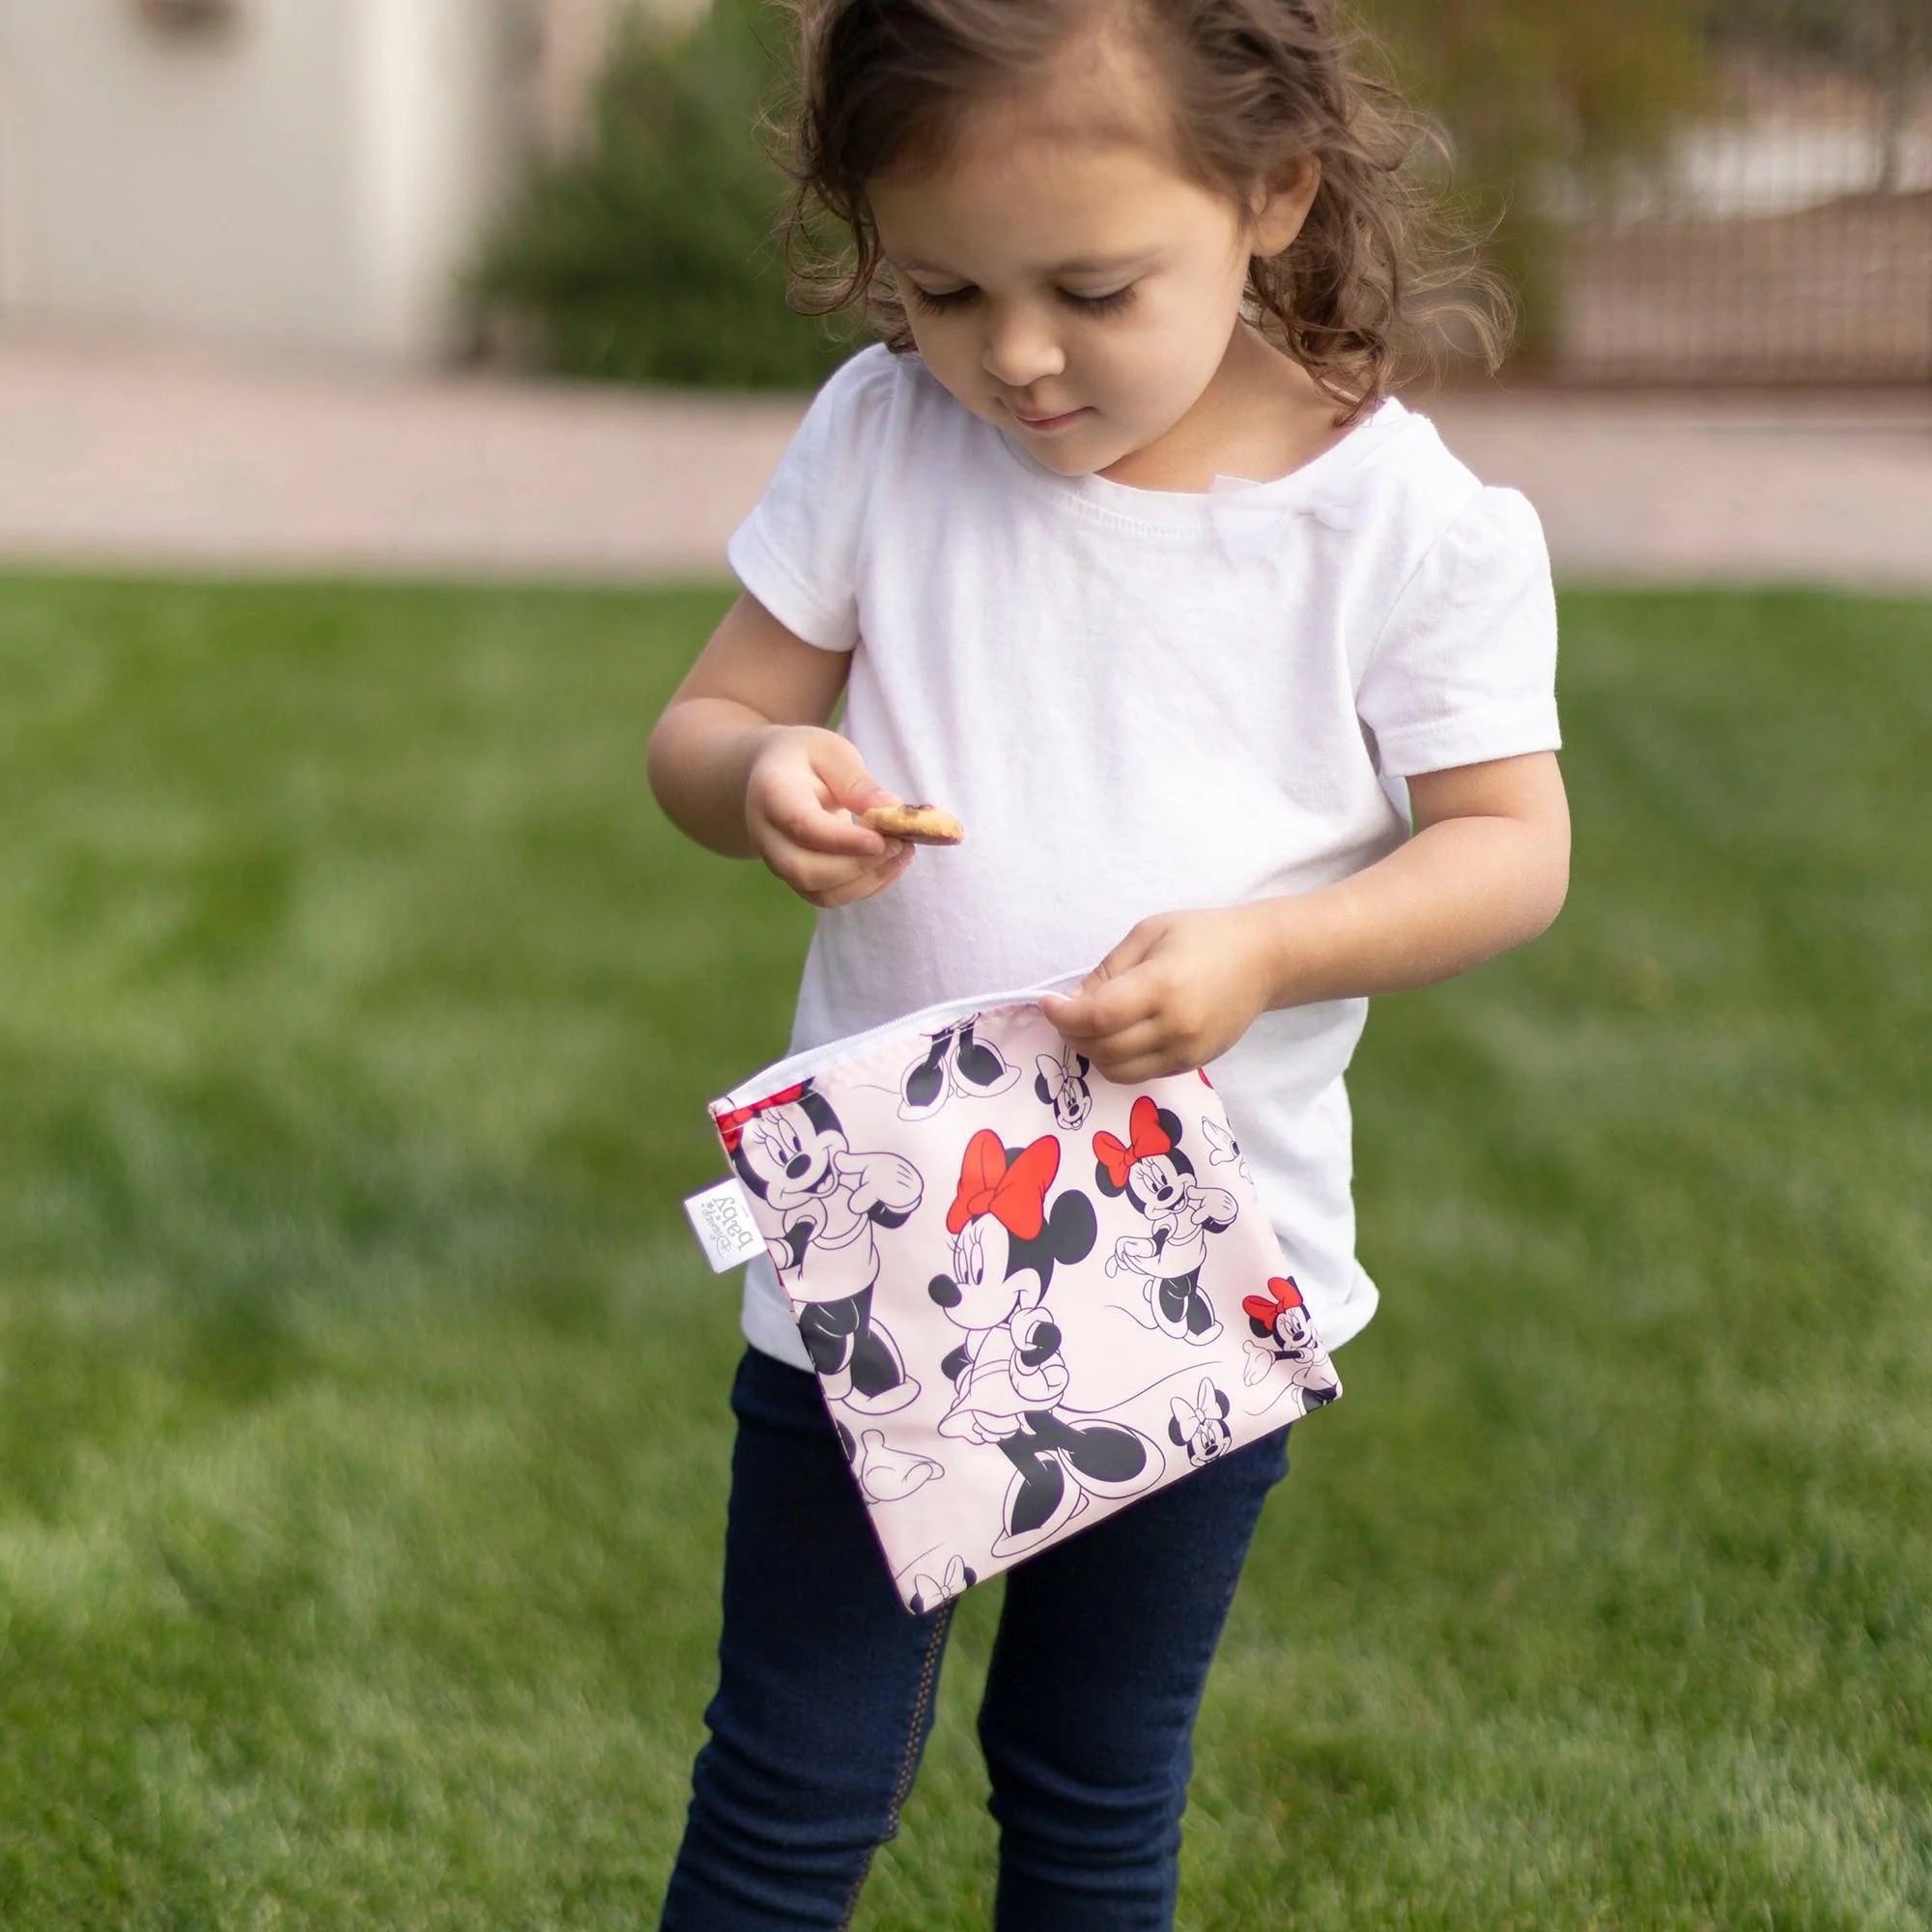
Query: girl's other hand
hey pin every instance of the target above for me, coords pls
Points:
(804, 786)
(1177, 991)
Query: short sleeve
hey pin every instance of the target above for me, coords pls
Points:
(1465, 668)
(797, 552)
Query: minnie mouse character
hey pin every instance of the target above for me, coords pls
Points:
(1201, 1426)
(790, 1150)
(1008, 1375)
(953, 1062)
(1280, 1316)
(1062, 1085)
(1159, 1178)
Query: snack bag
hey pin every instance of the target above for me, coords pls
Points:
(1030, 1294)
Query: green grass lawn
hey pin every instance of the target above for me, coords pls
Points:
(362, 1422)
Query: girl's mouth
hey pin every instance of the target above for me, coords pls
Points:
(1047, 425)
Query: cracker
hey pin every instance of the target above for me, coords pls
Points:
(920, 824)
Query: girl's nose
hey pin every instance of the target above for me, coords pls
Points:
(1021, 349)
(798, 1164)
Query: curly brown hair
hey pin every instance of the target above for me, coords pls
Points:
(1382, 274)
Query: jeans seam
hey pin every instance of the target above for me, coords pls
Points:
(922, 1703)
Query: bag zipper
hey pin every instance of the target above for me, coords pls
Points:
(800, 1065)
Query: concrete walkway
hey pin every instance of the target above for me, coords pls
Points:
(140, 459)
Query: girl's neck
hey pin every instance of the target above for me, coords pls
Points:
(1260, 417)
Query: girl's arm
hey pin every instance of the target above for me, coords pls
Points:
(1487, 870)
(741, 760)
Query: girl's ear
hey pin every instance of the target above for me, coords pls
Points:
(1276, 213)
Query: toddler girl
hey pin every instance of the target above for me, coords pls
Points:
(1242, 686)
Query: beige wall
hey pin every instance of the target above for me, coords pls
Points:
(307, 176)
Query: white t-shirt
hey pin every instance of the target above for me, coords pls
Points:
(1140, 700)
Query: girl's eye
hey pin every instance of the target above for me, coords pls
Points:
(932, 302)
(1102, 305)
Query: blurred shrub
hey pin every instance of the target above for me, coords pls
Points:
(647, 255)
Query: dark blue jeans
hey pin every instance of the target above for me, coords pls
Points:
(826, 1683)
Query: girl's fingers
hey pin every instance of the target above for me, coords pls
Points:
(845, 787)
(841, 774)
(1142, 1040)
(1101, 1010)
(809, 872)
(1131, 950)
(851, 895)
(875, 879)
(802, 790)
(1144, 1066)
(814, 827)
(1144, 1052)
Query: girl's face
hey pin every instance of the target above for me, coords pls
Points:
(1055, 269)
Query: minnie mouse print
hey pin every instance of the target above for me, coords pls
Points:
(1159, 1179)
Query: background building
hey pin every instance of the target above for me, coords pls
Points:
(303, 177)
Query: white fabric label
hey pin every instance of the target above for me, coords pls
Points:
(722, 1218)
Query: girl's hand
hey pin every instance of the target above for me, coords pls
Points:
(803, 787)
(1179, 990)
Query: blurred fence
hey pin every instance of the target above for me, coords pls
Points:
(1783, 237)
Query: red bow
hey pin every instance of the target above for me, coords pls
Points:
(1143, 1124)
(1282, 1295)
(731, 1127)
(1015, 1196)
